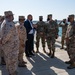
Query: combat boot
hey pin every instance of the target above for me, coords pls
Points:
(44, 49)
(52, 56)
(71, 66)
(3, 61)
(21, 65)
(37, 50)
(49, 53)
(24, 62)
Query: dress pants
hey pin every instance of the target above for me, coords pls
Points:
(29, 44)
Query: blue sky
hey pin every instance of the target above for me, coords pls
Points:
(59, 8)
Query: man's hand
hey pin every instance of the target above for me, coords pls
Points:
(34, 25)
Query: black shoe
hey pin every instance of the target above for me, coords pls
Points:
(24, 62)
(28, 55)
(22, 65)
(32, 54)
(68, 62)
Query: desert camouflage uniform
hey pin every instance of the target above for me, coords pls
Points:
(51, 35)
(70, 34)
(1, 51)
(0, 38)
(10, 45)
(22, 38)
(40, 34)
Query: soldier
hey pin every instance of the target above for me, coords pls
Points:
(64, 29)
(22, 38)
(10, 43)
(51, 35)
(2, 54)
(70, 40)
(0, 39)
(40, 33)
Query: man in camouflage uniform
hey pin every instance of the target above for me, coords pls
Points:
(1, 51)
(10, 43)
(51, 35)
(64, 29)
(0, 39)
(22, 38)
(40, 33)
(70, 40)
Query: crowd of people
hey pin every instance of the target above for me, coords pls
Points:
(15, 39)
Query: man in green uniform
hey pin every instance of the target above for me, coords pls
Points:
(40, 33)
(51, 35)
(64, 29)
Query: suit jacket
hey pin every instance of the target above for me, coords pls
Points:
(27, 26)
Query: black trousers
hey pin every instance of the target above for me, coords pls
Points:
(29, 44)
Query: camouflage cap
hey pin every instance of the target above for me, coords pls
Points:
(50, 15)
(22, 17)
(71, 16)
(64, 19)
(8, 13)
(40, 16)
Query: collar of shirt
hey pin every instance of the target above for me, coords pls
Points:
(31, 23)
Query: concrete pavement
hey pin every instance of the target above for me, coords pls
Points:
(41, 64)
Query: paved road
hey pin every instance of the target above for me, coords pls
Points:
(42, 64)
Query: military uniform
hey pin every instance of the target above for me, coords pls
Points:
(51, 35)
(22, 38)
(0, 38)
(40, 34)
(70, 36)
(1, 51)
(64, 29)
(10, 44)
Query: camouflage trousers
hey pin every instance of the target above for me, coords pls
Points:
(51, 43)
(71, 49)
(21, 51)
(38, 37)
(63, 39)
(1, 51)
(11, 51)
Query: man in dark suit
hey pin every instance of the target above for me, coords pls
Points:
(30, 35)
